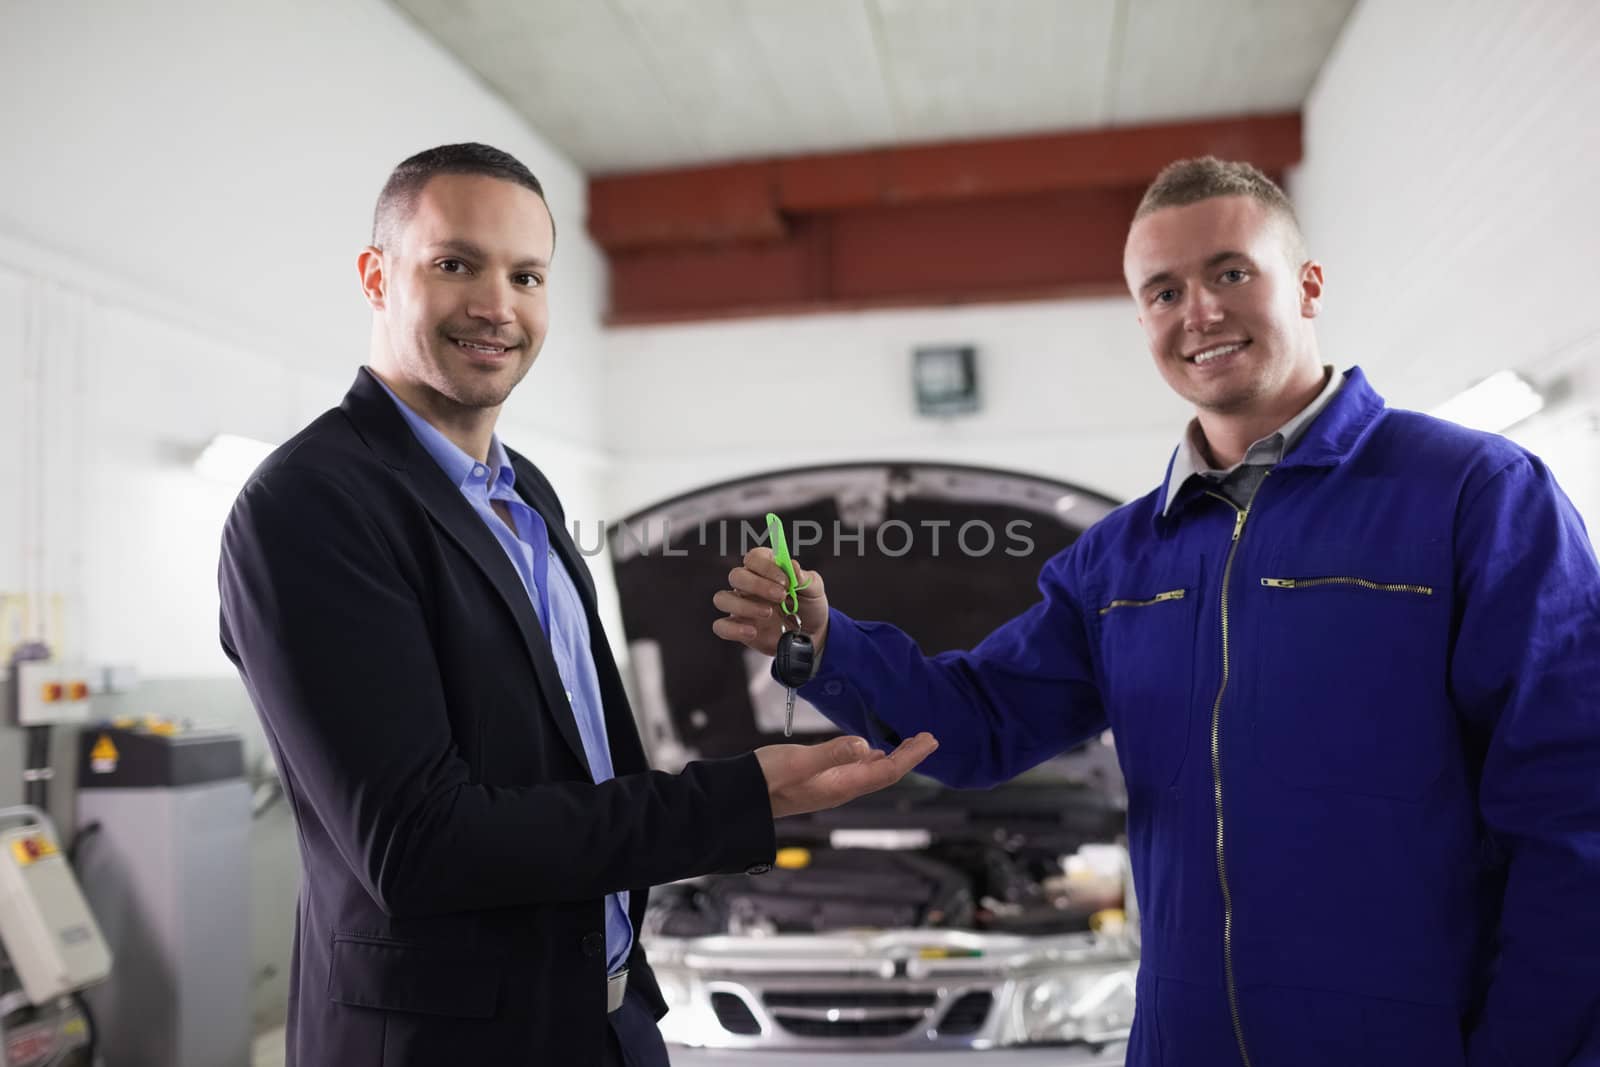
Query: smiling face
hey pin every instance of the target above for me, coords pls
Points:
(1225, 309)
(460, 294)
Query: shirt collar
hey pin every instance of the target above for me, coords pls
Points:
(502, 475)
(462, 470)
(1190, 457)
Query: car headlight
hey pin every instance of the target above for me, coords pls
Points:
(1083, 1004)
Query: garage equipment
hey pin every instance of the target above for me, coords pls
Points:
(48, 940)
(164, 817)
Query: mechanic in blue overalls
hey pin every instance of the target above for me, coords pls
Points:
(1351, 658)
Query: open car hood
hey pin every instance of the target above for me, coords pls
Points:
(945, 552)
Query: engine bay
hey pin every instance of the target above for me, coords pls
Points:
(998, 887)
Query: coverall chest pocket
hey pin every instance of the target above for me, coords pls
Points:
(1353, 655)
(1147, 638)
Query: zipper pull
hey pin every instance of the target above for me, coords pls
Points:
(1278, 583)
(1238, 523)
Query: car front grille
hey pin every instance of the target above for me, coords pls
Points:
(850, 998)
(800, 1026)
(844, 1013)
(849, 1012)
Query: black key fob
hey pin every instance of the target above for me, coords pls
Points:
(795, 660)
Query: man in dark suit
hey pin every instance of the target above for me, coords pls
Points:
(419, 635)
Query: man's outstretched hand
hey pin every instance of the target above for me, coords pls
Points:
(802, 778)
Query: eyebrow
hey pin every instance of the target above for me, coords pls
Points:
(1167, 276)
(472, 251)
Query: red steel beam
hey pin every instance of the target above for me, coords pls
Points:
(992, 220)
(706, 205)
(1092, 159)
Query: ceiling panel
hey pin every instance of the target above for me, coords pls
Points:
(1182, 59)
(721, 93)
(575, 68)
(958, 69)
(622, 85)
(765, 79)
(823, 60)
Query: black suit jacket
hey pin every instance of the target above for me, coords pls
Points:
(456, 849)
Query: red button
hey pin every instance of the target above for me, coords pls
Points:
(78, 691)
(52, 692)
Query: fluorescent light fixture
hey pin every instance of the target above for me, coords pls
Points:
(1498, 402)
(229, 459)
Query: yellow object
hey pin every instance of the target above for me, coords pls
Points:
(103, 756)
(793, 859)
(941, 952)
(1112, 918)
(31, 848)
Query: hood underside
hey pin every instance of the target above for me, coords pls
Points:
(945, 552)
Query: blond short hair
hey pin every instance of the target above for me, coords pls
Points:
(1189, 181)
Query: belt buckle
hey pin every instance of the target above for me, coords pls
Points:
(616, 989)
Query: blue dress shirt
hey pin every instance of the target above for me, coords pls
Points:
(556, 602)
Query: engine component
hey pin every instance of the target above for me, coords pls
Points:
(840, 889)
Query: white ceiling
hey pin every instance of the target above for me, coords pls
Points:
(622, 85)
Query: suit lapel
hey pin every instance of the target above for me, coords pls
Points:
(385, 430)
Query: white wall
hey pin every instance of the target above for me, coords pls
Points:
(185, 190)
(1067, 388)
(1449, 188)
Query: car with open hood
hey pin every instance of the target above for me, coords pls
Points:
(921, 917)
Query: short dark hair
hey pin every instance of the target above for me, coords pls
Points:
(1189, 181)
(399, 197)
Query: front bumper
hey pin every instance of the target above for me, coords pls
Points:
(896, 992)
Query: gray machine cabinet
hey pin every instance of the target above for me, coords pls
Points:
(167, 877)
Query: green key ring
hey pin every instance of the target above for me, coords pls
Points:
(780, 556)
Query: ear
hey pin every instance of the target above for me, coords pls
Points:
(1311, 289)
(373, 280)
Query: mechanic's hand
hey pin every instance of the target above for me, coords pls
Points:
(754, 618)
(802, 778)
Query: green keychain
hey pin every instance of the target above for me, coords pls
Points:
(795, 660)
(780, 556)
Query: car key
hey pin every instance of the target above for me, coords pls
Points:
(795, 658)
(793, 665)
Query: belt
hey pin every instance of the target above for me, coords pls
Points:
(616, 989)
